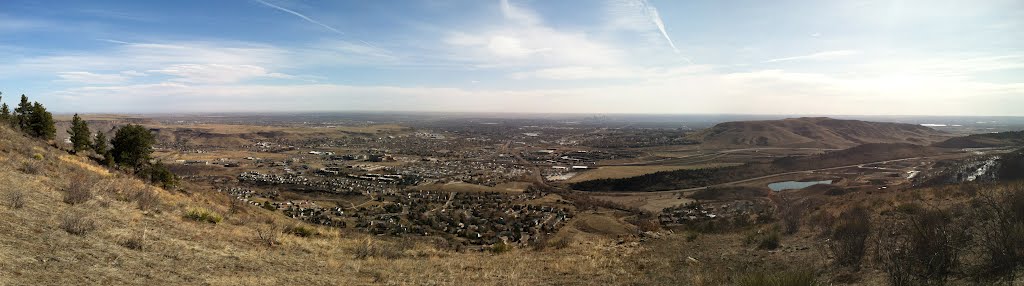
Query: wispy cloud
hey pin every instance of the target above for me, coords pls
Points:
(641, 16)
(300, 15)
(829, 55)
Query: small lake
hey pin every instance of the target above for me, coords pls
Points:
(794, 185)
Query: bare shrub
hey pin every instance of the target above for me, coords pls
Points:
(999, 232)
(380, 249)
(300, 230)
(268, 235)
(146, 199)
(848, 237)
(77, 224)
(134, 242)
(791, 212)
(78, 190)
(16, 199)
(923, 248)
(32, 167)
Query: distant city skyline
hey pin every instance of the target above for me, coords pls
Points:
(870, 57)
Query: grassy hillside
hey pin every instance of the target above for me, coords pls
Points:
(988, 140)
(687, 178)
(70, 222)
(815, 132)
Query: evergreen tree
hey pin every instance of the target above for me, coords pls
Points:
(40, 123)
(132, 146)
(23, 113)
(79, 134)
(5, 114)
(99, 145)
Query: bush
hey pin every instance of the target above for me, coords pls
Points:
(134, 242)
(146, 199)
(999, 232)
(79, 190)
(499, 248)
(922, 248)
(849, 237)
(800, 277)
(77, 224)
(373, 248)
(791, 212)
(16, 199)
(300, 231)
(32, 167)
(770, 241)
(268, 235)
(203, 215)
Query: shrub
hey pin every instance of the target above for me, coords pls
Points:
(770, 240)
(300, 231)
(79, 190)
(146, 199)
(921, 249)
(373, 248)
(203, 215)
(1000, 232)
(77, 224)
(268, 235)
(690, 237)
(791, 212)
(16, 199)
(499, 248)
(799, 277)
(849, 236)
(32, 167)
(134, 242)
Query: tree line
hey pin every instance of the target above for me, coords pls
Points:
(130, 149)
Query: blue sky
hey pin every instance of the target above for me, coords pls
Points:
(912, 57)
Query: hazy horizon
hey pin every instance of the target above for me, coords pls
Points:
(789, 58)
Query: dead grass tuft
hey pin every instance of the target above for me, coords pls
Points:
(16, 199)
(77, 223)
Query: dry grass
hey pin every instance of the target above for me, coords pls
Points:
(77, 223)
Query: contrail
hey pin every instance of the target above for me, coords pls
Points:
(308, 19)
(655, 18)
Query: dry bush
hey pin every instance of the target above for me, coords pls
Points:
(380, 249)
(31, 167)
(791, 212)
(999, 231)
(300, 230)
(78, 190)
(77, 224)
(16, 199)
(849, 237)
(146, 200)
(268, 235)
(923, 248)
(134, 242)
(203, 215)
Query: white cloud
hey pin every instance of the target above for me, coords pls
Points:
(524, 40)
(829, 55)
(216, 73)
(618, 72)
(92, 78)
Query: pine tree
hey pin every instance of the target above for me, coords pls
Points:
(23, 114)
(132, 145)
(5, 112)
(79, 134)
(40, 124)
(99, 145)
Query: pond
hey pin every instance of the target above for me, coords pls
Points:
(794, 185)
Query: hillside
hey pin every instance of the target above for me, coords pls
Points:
(67, 221)
(815, 132)
(987, 140)
(683, 179)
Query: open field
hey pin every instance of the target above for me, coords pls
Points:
(618, 172)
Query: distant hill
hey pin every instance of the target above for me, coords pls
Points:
(816, 132)
(693, 178)
(988, 140)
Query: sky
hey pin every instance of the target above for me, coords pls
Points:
(857, 57)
